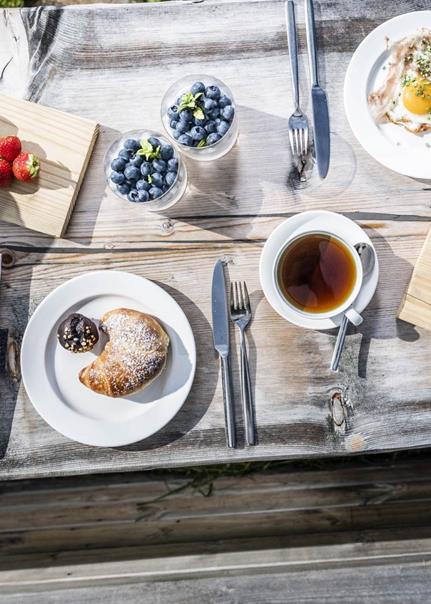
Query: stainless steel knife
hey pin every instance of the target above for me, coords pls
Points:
(221, 344)
(319, 101)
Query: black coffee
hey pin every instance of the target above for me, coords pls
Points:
(316, 273)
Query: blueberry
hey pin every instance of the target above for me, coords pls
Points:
(199, 122)
(132, 173)
(154, 142)
(182, 127)
(173, 124)
(133, 195)
(198, 133)
(165, 188)
(117, 178)
(222, 128)
(132, 144)
(173, 165)
(170, 178)
(125, 154)
(213, 138)
(124, 188)
(185, 139)
(155, 192)
(146, 168)
(159, 165)
(118, 164)
(213, 92)
(156, 179)
(228, 112)
(197, 87)
(186, 115)
(209, 104)
(166, 152)
(211, 126)
(176, 134)
(173, 112)
(217, 120)
(143, 185)
(214, 113)
(224, 101)
(143, 195)
(136, 160)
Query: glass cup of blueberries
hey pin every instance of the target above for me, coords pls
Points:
(198, 114)
(144, 167)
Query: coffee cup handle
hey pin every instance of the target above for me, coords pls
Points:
(353, 316)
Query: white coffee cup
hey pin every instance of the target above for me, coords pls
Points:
(346, 307)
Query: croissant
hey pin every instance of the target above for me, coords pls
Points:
(132, 358)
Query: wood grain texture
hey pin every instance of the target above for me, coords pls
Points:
(63, 144)
(381, 398)
(135, 537)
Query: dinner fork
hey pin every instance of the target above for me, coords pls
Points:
(240, 313)
(298, 123)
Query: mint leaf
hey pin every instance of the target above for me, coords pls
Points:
(202, 143)
(198, 114)
(189, 101)
(146, 149)
(149, 179)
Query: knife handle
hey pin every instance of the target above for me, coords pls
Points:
(311, 41)
(229, 414)
(293, 48)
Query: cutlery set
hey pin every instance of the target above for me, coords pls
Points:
(298, 123)
(240, 315)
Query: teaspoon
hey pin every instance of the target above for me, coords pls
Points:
(367, 256)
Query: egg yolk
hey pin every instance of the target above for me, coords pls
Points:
(417, 97)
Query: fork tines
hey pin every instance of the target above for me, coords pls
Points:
(239, 299)
(298, 138)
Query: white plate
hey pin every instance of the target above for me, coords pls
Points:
(318, 220)
(50, 373)
(391, 145)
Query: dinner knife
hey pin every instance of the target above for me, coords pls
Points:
(221, 344)
(318, 97)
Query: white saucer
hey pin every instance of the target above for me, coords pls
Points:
(391, 145)
(50, 373)
(319, 220)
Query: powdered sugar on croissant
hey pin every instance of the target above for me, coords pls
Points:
(133, 357)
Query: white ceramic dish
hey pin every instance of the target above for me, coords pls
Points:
(50, 373)
(391, 145)
(319, 220)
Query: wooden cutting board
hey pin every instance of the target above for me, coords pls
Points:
(416, 305)
(63, 143)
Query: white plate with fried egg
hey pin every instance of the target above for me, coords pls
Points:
(387, 94)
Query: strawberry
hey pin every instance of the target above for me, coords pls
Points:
(10, 147)
(26, 166)
(5, 173)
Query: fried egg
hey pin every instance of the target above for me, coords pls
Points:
(404, 97)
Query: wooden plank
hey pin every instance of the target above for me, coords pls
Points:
(63, 144)
(294, 408)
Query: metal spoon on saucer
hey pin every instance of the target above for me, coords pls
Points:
(367, 256)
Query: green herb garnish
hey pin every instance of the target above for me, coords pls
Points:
(190, 101)
(148, 151)
(202, 143)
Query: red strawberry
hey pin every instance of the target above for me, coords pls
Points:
(26, 166)
(5, 173)
(10, 147)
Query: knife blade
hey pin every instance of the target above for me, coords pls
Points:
(220, 319)
(319, 101)
(219, 310)
(322, 145)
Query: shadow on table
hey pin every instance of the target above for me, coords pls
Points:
(94, 190)
(377, 323)
(204, 385)
(15, 287)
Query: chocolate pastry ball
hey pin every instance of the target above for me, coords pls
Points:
(77, 333)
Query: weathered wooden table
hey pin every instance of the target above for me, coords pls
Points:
(113, 64)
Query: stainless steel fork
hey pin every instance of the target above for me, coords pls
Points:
(298, 123)
(240, 313)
